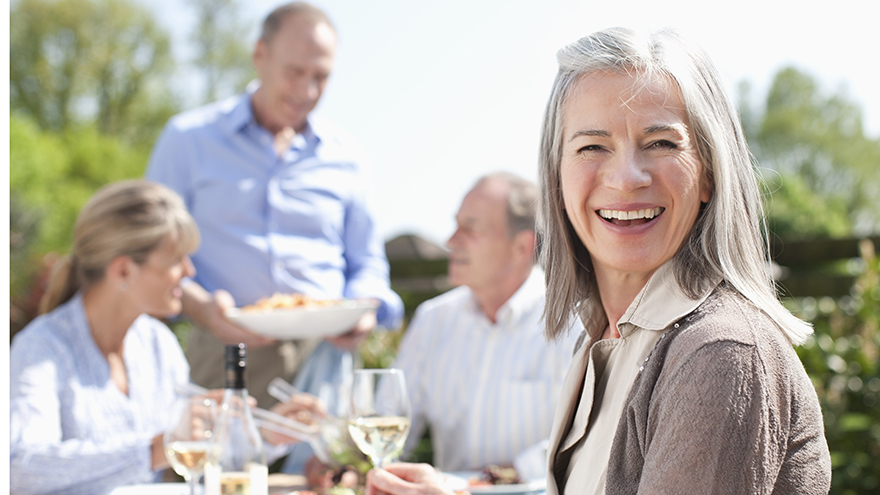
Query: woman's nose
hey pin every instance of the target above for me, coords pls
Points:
(626, 172)
(189, 270)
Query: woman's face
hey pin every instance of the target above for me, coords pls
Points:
(156, 285)
(632, 181)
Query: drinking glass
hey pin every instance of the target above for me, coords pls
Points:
(188, 439)
(378, 415)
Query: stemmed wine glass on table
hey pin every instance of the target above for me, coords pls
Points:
(188, 439)
(378, 416)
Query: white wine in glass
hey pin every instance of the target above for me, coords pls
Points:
(378, 417)
(188, 439)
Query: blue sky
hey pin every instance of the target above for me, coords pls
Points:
(441, 92)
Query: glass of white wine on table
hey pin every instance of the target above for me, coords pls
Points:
(378, 416)
(188, 438)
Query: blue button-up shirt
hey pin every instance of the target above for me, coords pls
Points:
(299, 223)
(72, 430)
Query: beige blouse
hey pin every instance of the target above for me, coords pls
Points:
(611, 369)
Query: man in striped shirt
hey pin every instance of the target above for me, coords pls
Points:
(479, 372)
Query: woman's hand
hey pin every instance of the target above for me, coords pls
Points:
(402, 478)
(157, 454)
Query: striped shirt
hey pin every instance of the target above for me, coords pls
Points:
(71, 429)
(487, 390)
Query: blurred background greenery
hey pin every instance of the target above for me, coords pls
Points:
(91, 87)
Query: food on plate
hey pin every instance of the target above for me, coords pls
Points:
(496, 475)
(286, 301)
(344, 480)
(341, 490)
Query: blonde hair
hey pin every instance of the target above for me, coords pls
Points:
(727, 239)
(128, 218)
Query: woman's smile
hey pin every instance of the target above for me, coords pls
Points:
(632, 180)
(630, 218)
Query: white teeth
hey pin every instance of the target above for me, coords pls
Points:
(629, 215)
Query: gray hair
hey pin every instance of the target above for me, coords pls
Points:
(522, 201)
(522, 206)
(273, 21)
(128, 218)
(727, 239)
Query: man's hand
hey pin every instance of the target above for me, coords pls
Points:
(351, 340)
(304, 408)
(217, 395)
(402, 478)
(208, 310)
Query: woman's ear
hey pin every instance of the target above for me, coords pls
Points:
(120, 271)
(707, 187)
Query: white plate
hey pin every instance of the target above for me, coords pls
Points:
(459, 481)
(152, 489)
(300, 323)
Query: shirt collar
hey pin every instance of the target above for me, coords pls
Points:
(520, 302)
(660, 303)
(242, 114)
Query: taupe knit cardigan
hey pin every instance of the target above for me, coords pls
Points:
(722, 405)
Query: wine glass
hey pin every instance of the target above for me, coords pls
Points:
(188, 438)
(378, 416)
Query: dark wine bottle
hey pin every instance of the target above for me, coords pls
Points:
(240, 465)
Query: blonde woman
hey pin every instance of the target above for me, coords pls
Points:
(93, 377)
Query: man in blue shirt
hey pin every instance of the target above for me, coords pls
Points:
(280, 199)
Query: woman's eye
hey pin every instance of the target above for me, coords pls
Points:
(589, 147)
(663, 144)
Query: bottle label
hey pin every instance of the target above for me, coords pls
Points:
(259, 479)
(212, 479)
(254, 481)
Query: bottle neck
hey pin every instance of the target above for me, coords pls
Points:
(234, 366)
(236, 400)
(234, 379)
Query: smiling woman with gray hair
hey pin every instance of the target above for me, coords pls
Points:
(687, 381)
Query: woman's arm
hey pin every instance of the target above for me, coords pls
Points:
(713, 425)
(41, 459)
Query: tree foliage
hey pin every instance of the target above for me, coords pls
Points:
(824, 167)
(84, 61)
(221, 54)
(797, 211)
(90, 90)
(56, 172)
(843, 360)
(51, 176)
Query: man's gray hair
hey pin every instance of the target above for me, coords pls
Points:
(522, 205)
(307, 11)
(522, 201)
(728, 238)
